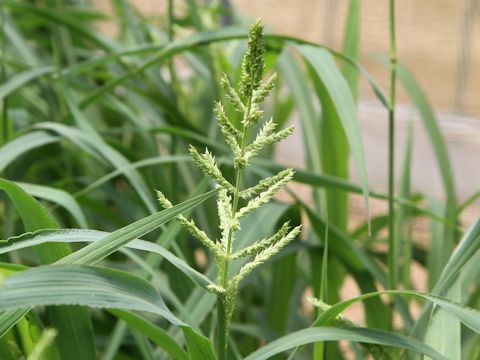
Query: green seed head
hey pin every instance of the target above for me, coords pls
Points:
(253, 65)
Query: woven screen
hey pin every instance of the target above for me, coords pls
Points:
(439, 40)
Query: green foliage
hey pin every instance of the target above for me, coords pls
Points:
(91, 124)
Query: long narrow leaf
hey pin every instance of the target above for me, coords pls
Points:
(19, 80)
(469, 317)
(15, 148)
(59, 197)
(154, 333)
(337, 97)
(98, 250)
(370, 336)
(82, 285)
(102, 248)
(35, 217)
(351, 45)
(90, 236)
(443, 160)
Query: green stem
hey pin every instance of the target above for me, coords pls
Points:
(222, 328)
(234, 209)
(170, 22)
(3, 77)
(392, 253)
(221, 311)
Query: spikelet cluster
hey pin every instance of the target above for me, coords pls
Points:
(234, 203)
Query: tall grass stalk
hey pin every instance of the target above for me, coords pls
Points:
(170, 23)
(392, 245)
(3, 76)
(246, 100)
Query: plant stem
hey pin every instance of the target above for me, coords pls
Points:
(392, 253)
(234, 210)
(222, 328)
(221, 311)
(170, 22)
(3, 78)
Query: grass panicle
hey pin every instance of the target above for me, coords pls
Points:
(253, 92)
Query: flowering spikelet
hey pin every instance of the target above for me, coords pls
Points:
(229, 300)
(262, 244)
(231, 94)
(225, 124)
(253, 64)
(252, 117)
(190, 226)
(266, 195)
(267, 130)
(206, 163)
(267, 253)
(263, 140)
(264, 90)
(162, 199)
(229, 132)
(264, 184)
(216, 290)
(227, 223)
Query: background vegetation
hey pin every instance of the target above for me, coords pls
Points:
(91, 125)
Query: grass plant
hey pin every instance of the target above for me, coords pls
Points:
(91, 267)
